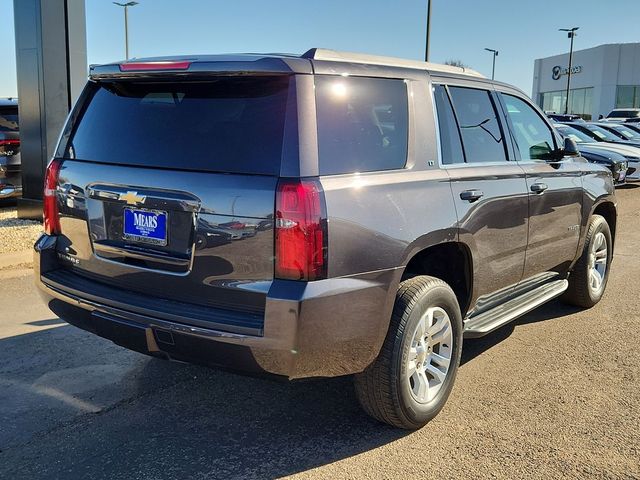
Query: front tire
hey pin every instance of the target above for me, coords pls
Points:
(589, 277)
(410, 381)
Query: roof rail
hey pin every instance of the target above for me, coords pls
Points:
(337, 56)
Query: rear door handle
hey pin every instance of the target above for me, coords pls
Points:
(538, 187)
(471, 195)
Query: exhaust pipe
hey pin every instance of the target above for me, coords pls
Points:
(8, 191)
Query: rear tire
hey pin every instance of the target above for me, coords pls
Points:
(589, 277)
(410, 381)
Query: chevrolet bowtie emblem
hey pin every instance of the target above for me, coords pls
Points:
(132, 198)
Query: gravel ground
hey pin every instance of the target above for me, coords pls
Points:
(554, 395)
(17, 235)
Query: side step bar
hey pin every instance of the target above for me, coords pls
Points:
(486, 322)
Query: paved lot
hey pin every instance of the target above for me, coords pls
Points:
(556, 394)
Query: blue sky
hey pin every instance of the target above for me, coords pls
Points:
(521, 30)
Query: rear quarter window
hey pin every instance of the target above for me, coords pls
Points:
(228, 124)
(362, 124)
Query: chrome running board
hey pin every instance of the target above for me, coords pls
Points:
(488, 321)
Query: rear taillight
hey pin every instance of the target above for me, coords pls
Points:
(51, 215)
(9, 147)
(300, 231)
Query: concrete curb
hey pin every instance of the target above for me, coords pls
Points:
(13, 259)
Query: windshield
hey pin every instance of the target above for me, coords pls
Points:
(9, 119)
(624, 114)
(600, 133)
(574, 134)
(226, 124)
(628, 133)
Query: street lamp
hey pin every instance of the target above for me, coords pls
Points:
(571, 32)
(495, 54)
(126, 24)
(426, 49)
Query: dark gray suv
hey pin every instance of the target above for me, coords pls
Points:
(317, 215)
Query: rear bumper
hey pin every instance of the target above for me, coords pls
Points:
(318, 329)
(9, 191)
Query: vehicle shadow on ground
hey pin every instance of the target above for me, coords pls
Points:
(474, 347)
(91, 409)
(95, 410)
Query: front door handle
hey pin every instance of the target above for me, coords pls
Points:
(471, 195)
(539, 187)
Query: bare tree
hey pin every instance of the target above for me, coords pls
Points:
(456, 63)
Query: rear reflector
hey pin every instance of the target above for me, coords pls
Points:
(147, 66)
(300, 231)
(51, 215)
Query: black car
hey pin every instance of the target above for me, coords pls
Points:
(565, 117)
(623, 160)
(10, 178)
(375, 211)
(601, 134)
(622, 130)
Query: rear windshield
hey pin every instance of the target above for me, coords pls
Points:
(230, 124)
(8, 119)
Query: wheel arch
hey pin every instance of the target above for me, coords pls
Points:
(607, 208)
(450, 261)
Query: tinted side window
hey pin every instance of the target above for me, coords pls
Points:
(450, 144)
(481, 133)
(532, 135)
(362, 124)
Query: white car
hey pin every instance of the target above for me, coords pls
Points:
(623, 115)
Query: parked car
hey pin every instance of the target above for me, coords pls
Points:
(390, 244)
(623, 115)
(10, 177)
(565, 117)
(633, 126)
(615, 162)
(601, 134)
(622, 131)
(587, 143)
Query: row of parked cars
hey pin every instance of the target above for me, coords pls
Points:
(10, 178)
(615, 145)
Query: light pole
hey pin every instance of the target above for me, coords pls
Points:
(571, 32)
(493, 69)
(126, 24)
(426, 49)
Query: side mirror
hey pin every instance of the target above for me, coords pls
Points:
(570, 148)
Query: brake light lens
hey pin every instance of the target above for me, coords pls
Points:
(300, 231)
(51, 215)
(145, 66)
(8, 147)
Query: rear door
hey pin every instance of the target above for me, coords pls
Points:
(554, 186)
(167, 188)
(489, 191)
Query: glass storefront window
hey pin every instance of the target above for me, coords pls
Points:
(628, 96)
(580, 101)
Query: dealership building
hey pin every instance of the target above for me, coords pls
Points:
(602, 78)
